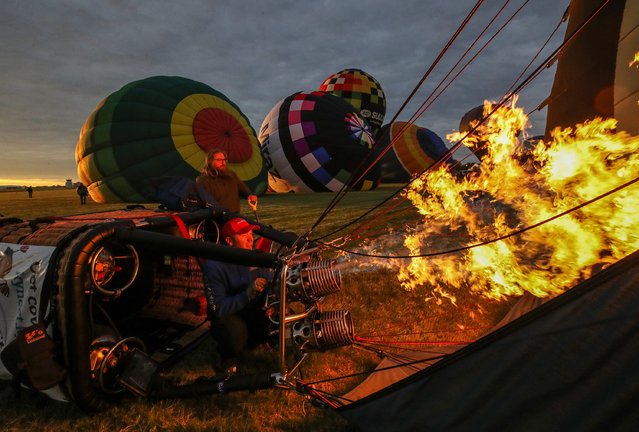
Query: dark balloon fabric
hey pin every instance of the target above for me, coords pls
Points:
(471, 119)
(597, 72)
(163, 126)
(315, 141)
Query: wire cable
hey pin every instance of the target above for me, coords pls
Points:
(340, 193)
(484, 243)
(456, 146)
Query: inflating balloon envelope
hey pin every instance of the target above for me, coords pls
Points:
(362, 91)
(162, 126)
(316, 142)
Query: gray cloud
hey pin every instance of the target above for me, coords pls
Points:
(59, 59)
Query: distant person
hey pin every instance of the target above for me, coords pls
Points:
(222, 183)
(82, 192)
(30, 192)
(235, 295)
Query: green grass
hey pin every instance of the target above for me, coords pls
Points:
(293, 212)
(377, 303)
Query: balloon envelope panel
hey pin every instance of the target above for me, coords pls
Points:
(315, 142)
(413, 150)
(597, 72)
(163, 126)
(360, 90)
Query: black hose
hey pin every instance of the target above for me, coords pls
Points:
(215, 385)
(173, 245)
(77, 329)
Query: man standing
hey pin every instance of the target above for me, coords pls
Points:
(30, 191)
(222, 183)
(234, 295)
(82, 192)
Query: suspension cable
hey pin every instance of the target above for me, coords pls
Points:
(484, 243)
(456, 146)
(428, 102)
(369, 371)
(340, 193)
(561, 21)
(420, 111)
(425, 107)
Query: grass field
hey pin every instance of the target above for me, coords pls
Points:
(374, 297)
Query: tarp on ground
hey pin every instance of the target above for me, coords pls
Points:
(569, 364)
(395, 368)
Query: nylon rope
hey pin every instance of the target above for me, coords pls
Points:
(525, 82)
(511, 234)
(337, 198)
(456, 146)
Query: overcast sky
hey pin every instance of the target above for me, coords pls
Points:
(59, 58)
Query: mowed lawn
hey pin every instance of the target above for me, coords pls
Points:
(374, 297)
(292, 212)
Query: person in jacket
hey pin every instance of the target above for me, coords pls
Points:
(235, 295)
(82, 192)
(222, 184)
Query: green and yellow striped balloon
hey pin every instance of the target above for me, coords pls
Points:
(163, 126)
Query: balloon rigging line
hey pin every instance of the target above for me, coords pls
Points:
(465, 329)
(561, 21)
(422, 109)
(383, 216)
(419, 343)
(393, 354)
(439, 57)
(454, 148)
(337, 198)
(387, 148)
(397, 357)
(484, 243)
(433, 96)
(458, 144)
(332, 399)
(369, 371)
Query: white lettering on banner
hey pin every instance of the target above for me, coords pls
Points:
(19, 306)
(18, 288)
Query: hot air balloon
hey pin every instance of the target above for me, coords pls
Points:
(360, 90)
(468, 121)
(414, 149)
(163, 126)
(597, 73)
(315, 141)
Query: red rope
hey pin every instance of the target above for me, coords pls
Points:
(347, 186)
(376, 341)
(181, 225)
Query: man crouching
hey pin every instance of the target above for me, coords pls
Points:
(234, 295)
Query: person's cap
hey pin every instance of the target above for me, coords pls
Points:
(237, 226)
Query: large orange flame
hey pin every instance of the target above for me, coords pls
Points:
(515, 187)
